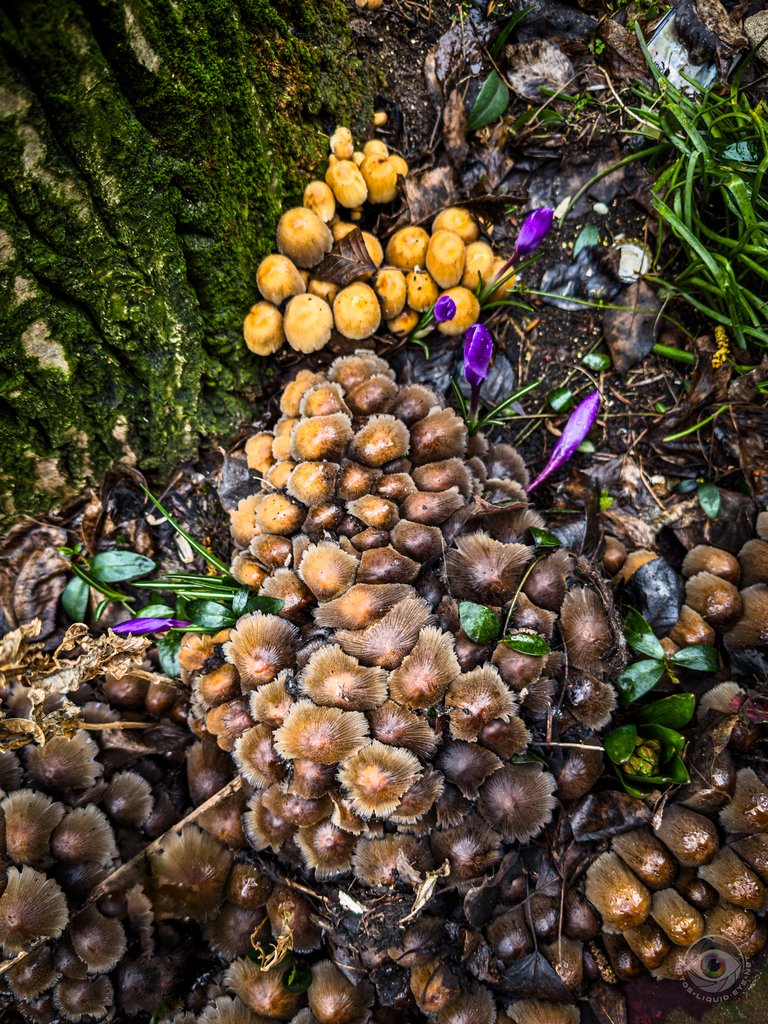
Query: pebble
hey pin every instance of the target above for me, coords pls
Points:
(600, 208)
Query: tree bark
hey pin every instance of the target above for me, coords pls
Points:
(146, 150)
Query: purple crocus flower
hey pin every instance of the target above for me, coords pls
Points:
(535, 227)
(445, 309)
(138, 627)
(478, 349)
(576, 429)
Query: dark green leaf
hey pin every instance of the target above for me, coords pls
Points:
(698, 657)
(709, 499)
(101, 607)
(640, 636)
(675, 712)
(298, 977)
(527, 643)
(479, 623)
(632, 785)
(512, 24)
(639, 678)
(676, 771)
(491, 102)
(168, 652)
(268, 605)
(74, 599)
(113, 566)
(589, 235)
(597, 361)
(670, 739)
(543, 538)
(210, 614)
(560, 399)
(620, 743)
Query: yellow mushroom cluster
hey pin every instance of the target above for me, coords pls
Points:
(407, 273)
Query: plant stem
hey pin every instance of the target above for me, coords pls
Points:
(677, 354)
(696, 426)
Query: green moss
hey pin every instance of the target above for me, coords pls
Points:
(149, 150)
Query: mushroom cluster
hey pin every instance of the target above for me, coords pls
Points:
(700, 868)
(307, 298)
(380, 742)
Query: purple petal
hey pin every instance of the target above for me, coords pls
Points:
(535, 227)
(138, 627)
(445, 309)
(478, 349)
(576, 429)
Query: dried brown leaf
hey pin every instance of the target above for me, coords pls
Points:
(347, 261)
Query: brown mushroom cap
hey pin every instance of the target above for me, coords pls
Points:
(381, 178)
(477, 265)
(319, 198)
(458, 220)
(404, 322)
(303, 237)
(389, 284)
(445, 258)
(356, 311)
(308, 323)
(422, 290)
(348, 184)
(407, 248)
(278, 279)
(263, 329)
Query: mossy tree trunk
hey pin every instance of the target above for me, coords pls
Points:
(146, 147)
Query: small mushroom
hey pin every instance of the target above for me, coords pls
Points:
(263, 329)
(348, 184)
(278, 279)
(303, 237)
(308, 323)
(356, 311)
(445, 258)
(467, 311)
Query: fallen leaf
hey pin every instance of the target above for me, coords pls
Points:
(709, 33)
(347, 261)
(609, 813)
(455, 128)
(630, 333)
(427, 192)
(532, 977)
(536, 63)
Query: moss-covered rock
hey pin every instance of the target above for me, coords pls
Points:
(146, 149)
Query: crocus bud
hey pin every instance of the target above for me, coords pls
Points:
(138, 627)
(535, 227)
(478, 349)
(576, 429)
(445, 309)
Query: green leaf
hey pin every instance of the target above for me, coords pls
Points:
(268, 605)
(527, 643)
(168, 652)
(74, 599)
(620, 743)
(210, 614)
(709, 499)
(209, 557)
(560, 399)
(640, 636)
(101, 607)
(543, 538)
(676, 771)
(157, 611)
(675, 712)
(698, 657)
(491, 102)
(639, 678)
(113, 566)
(298, 977)
(605, 501)
(589, 235)
(512, 24)
(597, 361)
(479, 623)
